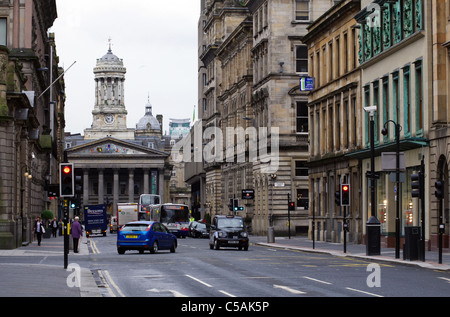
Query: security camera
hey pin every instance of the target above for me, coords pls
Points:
(370, 109)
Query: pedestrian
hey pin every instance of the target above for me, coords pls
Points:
(39, 229)
(77, 233)
(54, 226)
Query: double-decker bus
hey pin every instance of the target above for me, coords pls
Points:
(145, 203)
(174, 216)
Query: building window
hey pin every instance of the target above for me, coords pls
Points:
(302, 117)
(301, 169)
(419, 98)
(303, 198)
(302, 10)
(407, 99)
(367, 104)
(301, 58)
(396, 97)
(386, 104)
(376, 103)
(3, 31)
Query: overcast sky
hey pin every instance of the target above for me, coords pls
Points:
(157, 41)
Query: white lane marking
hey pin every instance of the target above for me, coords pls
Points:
(288, 289)
(316, 280)
(228, 294)
(367, 293)
(197, 280)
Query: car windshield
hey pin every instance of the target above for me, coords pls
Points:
(201, 225)
(135, 227)
(230, 223)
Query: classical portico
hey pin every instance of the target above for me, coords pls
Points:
(116, 171)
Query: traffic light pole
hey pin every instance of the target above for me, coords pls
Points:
(66, 234)
(422, 205)
(289, 215)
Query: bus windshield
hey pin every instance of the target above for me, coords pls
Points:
(174, 213)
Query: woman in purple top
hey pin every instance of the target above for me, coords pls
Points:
(77, 233)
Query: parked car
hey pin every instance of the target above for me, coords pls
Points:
(228, 231)
(199, 229)
(145, 235)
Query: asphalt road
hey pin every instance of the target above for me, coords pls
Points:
(261, 272)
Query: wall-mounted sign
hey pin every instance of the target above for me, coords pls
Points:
(306, 83)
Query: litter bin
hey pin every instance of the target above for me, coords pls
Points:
(411, 246)
(270, 235)
(373, 236)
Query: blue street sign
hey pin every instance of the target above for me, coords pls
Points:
(306, 83)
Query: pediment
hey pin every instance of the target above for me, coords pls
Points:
(111, 147)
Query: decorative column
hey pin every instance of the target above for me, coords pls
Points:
(85, 186)
(101, 186)
(131, 185)
(146, 183)
(115, 188)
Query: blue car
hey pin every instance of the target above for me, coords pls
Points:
(145, 235)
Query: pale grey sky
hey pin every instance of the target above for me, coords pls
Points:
(157, 41)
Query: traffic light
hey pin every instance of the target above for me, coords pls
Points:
(66, 180)
(416, 185)
(439, 193)
(337, 198)
(291, 206)
(236, 205)
(345, 195)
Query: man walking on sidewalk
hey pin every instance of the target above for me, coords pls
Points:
(77, 233)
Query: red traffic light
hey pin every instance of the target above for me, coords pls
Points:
(67, 170)
(345, 188)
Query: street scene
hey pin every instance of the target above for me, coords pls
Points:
(281, 269)
(225, 155)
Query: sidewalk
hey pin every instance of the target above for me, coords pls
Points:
(31, 276)
(354, 250)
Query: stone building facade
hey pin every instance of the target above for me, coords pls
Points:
(117, 164)
(251, 58)
(439, 12)
(31, 117)
(335, 122)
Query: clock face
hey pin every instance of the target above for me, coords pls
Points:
(109, 119)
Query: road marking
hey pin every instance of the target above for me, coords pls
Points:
(94, 247)
(105, 283)
(174, 293)
(113, 284)
(367, 293)
(316, 280)
(445, 279)
(288, 289)
(228, 294)
(197, 280)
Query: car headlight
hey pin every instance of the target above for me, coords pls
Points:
(222, 234)
(244, 234)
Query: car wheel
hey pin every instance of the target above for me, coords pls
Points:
(173, 248)
(246, 248)
(216, 245)
(154, 248)
(120, 251)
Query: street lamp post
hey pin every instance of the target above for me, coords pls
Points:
(397, 184)
(373, 225)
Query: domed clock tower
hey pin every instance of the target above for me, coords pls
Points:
(110, 114)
